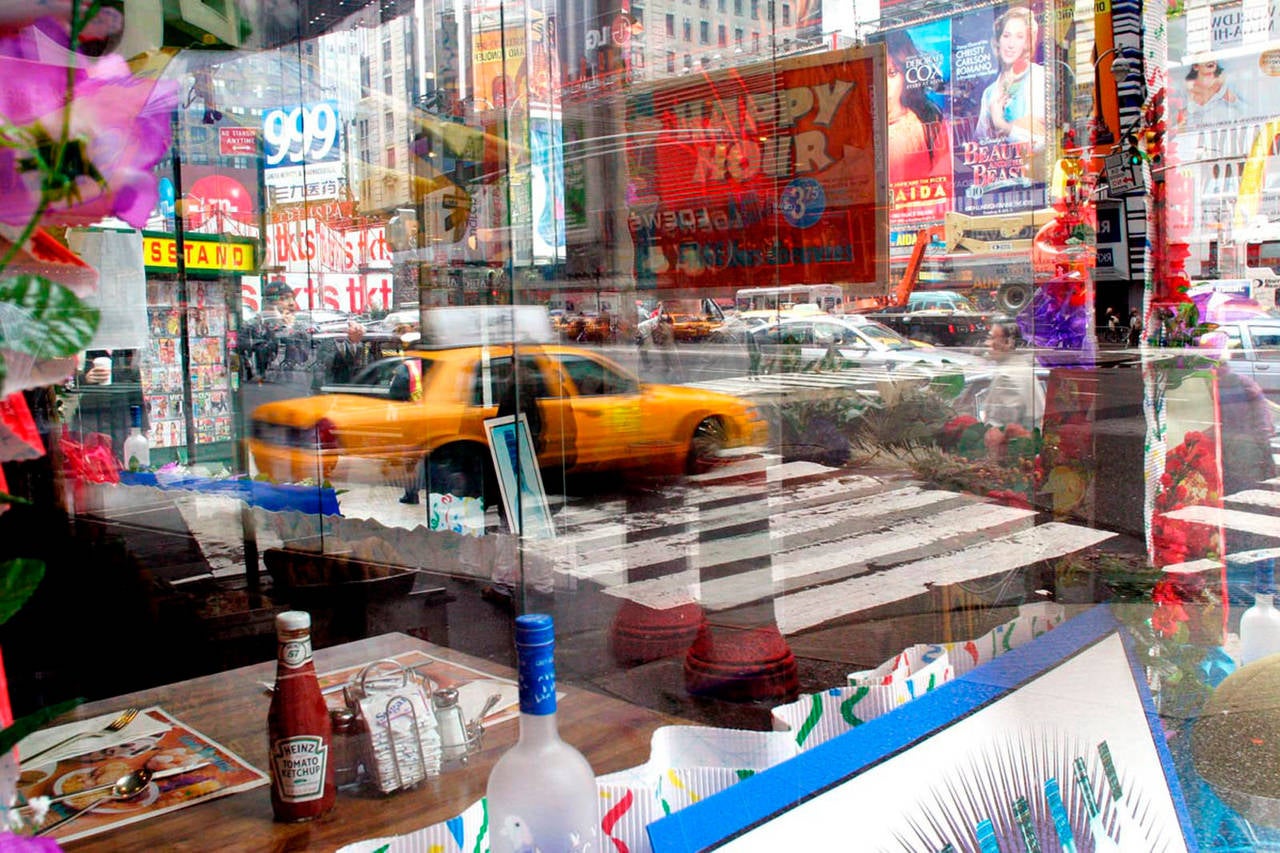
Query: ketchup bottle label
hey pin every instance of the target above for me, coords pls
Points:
(299, 764)
(295, 653)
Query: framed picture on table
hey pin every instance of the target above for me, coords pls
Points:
(1052, 746)
(519, 479)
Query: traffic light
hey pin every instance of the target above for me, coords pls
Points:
(1133, 155)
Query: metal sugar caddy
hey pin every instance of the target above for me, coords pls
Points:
(408, 726)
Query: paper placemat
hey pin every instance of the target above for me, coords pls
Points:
(474, 686)
(176, 745)
(142, 726)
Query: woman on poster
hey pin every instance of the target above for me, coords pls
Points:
(1210, 100)
(919, 137)
(1013, 105)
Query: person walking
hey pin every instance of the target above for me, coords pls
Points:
(1135, 327)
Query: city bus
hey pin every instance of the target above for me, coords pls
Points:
(825, 297)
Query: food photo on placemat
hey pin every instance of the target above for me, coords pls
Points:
(153, 774)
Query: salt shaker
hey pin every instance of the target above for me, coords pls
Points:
(453, 731)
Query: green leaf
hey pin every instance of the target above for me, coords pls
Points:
(44, 319)
(18, 580)
(24, 726)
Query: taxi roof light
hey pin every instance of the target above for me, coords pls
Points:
(480, 325)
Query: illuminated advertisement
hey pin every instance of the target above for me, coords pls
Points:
(302, 152)
(761, 175)
(1223, 96)
(998, 110)
(917, 112)
(495, 57)
(547, 178)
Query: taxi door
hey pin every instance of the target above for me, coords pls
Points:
(538, 380)
(604, 403)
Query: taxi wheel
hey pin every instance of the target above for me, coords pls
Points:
(709, 438)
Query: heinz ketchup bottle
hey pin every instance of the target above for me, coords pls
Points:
(302, 784)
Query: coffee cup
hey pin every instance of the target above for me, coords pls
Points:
(103, 362)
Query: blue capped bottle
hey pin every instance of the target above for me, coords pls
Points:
(542, 793)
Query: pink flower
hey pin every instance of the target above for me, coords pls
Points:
(118, 128)
(10, 843)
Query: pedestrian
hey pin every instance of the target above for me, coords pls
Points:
(753, 355)
(348, 356)
(1135, 327)
(664, 340)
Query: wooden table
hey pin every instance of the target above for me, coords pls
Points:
(231, 708)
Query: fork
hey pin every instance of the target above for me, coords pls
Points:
(125, 718)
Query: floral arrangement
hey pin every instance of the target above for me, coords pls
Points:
(1065, 466)
(80, 136)
(1191, 477)
(1057, 317)
(996, 462)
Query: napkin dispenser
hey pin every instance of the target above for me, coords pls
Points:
(402, 744)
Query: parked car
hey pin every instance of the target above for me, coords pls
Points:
(1253, 347)
(848, 341)
(941, 317)
(595, 415)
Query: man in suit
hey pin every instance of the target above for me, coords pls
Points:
(348, 356)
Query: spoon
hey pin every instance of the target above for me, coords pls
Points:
(134, 782)
(127, 786)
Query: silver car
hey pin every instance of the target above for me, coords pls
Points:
(1254, 350)
(848, 342)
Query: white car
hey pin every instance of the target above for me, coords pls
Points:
(1253, 347)
(849, 341)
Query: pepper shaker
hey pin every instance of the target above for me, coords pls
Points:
(453, 731)
(346, 746)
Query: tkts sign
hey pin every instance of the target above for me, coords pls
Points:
(760, 176)
(311, 246)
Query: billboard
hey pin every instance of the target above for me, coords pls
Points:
(917, 112)
(546, 166)
(302, 152)
(999, 110)
(1223, 97)
(761, 175)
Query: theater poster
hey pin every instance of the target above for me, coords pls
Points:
(761, 175)
(918, 118)
(1000, 124)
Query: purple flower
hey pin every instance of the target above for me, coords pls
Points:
(117, 127)
(10, 843)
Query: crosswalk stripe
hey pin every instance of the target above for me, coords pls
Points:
(839, 560)
(1256, 497)
(790, 523)
(809, 608)
(1232, 519)
(837, 556)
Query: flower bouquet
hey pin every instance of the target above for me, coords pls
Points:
(1192, 477)
(80, 136)
(995, 462)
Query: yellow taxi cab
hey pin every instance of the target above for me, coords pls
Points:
(430, 403)
(693, 328)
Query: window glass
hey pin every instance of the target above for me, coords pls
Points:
(593, 378)
(285, 269)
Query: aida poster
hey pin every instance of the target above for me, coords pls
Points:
(999, 102)
(918, 119)
(762, 175)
